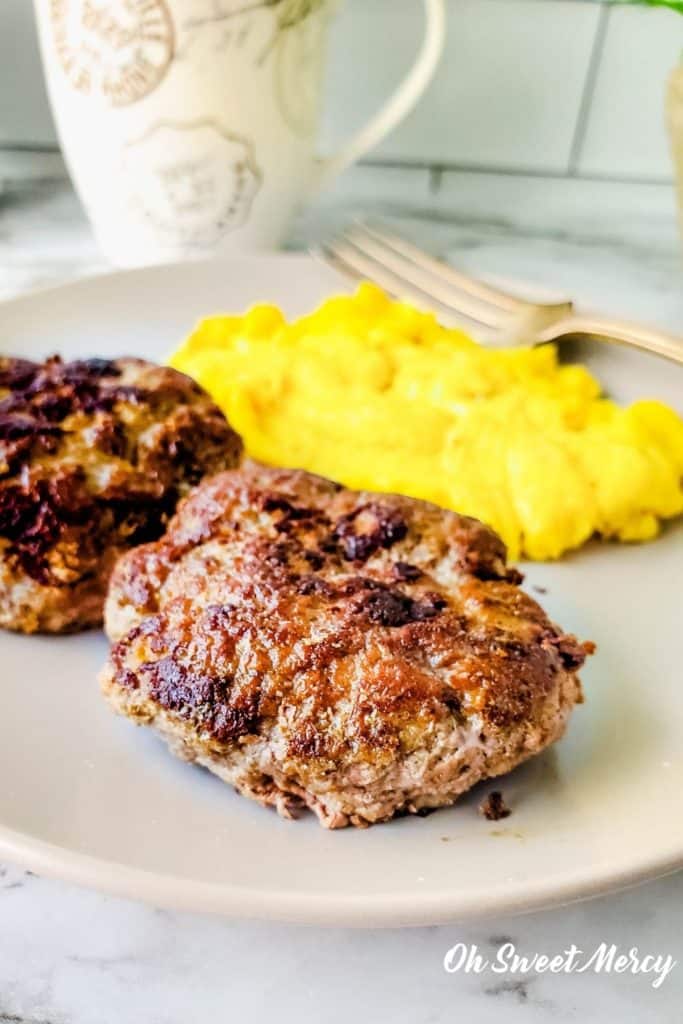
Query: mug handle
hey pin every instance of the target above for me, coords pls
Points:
(399, 104)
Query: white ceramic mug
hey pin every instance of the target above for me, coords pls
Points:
(189, 125)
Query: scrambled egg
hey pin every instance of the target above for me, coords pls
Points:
(378, 395)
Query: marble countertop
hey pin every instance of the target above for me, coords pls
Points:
(69, 956)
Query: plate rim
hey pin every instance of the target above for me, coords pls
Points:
(332, 908)
(99, 275)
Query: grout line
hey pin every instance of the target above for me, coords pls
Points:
(29, 147)
(435, 179)
(588, 93)
(436, 171)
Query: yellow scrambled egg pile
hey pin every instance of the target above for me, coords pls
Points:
(378, 395)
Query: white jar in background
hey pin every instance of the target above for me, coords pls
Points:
(675, 119)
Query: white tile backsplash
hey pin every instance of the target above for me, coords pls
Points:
(507, 93)
(626, 132)
(507, 96)
(24, 112)
(568, 211)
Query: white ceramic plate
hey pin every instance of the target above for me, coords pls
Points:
(88, 797)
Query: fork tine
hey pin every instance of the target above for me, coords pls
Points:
(426, 282)
(469, 285)
(352, 263)
(331, 255)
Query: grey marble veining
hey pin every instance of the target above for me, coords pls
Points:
(70, 956)
(44, 236)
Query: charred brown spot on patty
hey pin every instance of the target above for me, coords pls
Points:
(200, 699)
(17, 374)
(94, 455)
(55, 390)
(21, 434)
(364, 687)
(405, 571)
(394, 608)
(279, 503)
(367, 529)
(34, 518)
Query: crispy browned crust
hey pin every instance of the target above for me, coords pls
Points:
(94, 456)
(363, 654)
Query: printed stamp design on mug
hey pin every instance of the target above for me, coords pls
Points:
(287, 35)
(192, 182)
(118, 50)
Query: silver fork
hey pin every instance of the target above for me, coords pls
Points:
(403, 270)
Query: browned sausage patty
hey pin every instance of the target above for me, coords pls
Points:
(94, 455)
(364, 655)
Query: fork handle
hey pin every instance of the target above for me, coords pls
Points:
(647, 339)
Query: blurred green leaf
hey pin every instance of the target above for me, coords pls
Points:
(674, 5)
